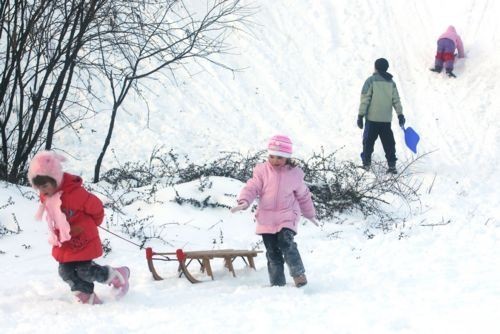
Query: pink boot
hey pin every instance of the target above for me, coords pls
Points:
(87, 298)
(118, 278)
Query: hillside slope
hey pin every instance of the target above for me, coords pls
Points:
(304, 64)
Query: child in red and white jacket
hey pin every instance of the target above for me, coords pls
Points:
(283, 197)
(73, 214)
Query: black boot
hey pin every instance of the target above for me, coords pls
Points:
(392, 168)
(436, 69)
(451, 74)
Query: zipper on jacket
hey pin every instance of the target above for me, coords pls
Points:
(277, 189)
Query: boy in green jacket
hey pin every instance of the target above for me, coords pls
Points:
(378, 96)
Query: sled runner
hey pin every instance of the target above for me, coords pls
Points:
(201, 257)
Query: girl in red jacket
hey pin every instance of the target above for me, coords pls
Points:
(73, 214)
(283, 198)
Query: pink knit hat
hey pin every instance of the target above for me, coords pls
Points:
(46, 163)
(280, 145)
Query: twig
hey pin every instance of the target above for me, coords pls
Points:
(432, 184)
(438, 224)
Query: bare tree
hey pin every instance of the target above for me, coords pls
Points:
(160, 37)
(40, 42)
(53, 51)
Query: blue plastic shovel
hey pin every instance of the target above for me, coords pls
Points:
(411, 138)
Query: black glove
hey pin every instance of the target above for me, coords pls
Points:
(360, 122)
(402, 120)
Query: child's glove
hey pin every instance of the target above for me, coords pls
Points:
(313, 220)
(360, 122)
(401, 120)
(242, 205)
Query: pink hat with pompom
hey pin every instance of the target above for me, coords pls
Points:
(47, 163)
(280, 145)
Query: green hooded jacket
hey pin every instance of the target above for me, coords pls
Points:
(378, 96)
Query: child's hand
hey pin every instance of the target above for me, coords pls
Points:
(241, 206)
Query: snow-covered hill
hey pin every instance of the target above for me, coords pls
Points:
(305, 62)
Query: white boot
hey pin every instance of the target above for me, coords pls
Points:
(118, 278)
(87, 298)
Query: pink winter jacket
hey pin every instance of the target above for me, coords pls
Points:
(282, 194)
(451, 33)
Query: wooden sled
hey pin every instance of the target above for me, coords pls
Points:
(203, 258)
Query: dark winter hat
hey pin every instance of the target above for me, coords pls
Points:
(381, 65)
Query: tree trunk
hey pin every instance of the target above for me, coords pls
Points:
(107, 141)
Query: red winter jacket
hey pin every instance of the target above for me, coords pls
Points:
(84, 212)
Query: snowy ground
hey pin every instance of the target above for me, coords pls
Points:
(418, 279)
(307, 61)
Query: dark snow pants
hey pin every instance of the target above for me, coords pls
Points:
(445, 54)
(372, 131)
(281, 248)
(80, 275)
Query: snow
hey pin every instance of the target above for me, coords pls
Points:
(304, 64)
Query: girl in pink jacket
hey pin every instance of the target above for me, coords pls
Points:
(283, 197)
(445, 54)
